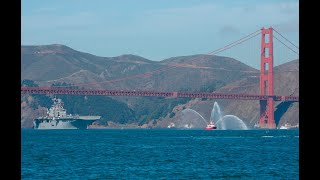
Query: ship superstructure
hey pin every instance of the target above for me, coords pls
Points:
(57, 118)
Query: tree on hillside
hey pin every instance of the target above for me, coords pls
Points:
(28, 83)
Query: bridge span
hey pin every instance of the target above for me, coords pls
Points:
(105, 92)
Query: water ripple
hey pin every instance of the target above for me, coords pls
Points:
(159, 154)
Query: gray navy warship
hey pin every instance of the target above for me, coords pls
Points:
(57, 118)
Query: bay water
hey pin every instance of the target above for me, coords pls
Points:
(159, 154)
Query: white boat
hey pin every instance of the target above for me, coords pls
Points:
(171, 125)
(288, 126)
(211, 126)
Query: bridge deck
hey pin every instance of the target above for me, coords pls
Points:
(105, 92)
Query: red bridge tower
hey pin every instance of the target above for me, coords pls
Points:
(266, 80)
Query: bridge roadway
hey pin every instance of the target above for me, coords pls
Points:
(105, 92)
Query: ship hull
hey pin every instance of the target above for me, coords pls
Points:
(61, 123)
(210, 128)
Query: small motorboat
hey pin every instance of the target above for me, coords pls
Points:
(210, 126)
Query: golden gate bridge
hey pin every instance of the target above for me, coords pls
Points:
(266, 96)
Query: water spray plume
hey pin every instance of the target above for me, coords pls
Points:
(192, 119)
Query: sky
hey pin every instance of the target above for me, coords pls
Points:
(156, 30)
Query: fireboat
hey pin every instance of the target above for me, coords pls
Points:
(210, 126)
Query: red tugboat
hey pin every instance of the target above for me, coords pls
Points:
(210, 126)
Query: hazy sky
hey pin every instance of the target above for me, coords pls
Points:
(156, 29)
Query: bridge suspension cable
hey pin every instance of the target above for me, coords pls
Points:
(285, 38)
(285, 45)
(246, 38)
(230, 45)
